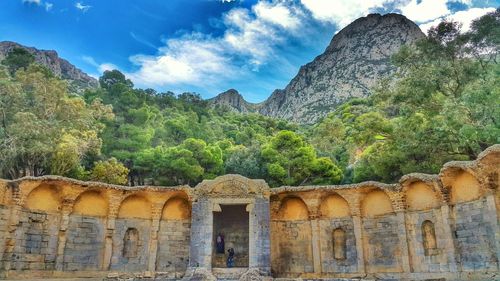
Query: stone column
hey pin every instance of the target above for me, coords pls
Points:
(358, 234)
(200, 254)
(259, 227)
(403, 242)
(63, 227)
(448, 246)
(153, 240)
(315, 237)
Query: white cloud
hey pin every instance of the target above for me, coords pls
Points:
(48, 6)
(341, 12)
(425, 10)
(189, 59)
(247, 43)
(463, 17)
(84, 8)
(100, 67)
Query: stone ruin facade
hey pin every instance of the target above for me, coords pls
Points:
(426, 227)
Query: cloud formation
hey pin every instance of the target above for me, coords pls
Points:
(256, 37)
(80, 6)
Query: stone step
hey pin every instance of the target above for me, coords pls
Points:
(228, 273)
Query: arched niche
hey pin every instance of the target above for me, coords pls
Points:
(44, 198)
(376, 203)
(135, 206)
(91, 203)
(334, 206)
(293, 208)
(464, 188)
(176, 208)
(420, 196)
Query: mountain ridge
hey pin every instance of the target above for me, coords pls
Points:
(78, 80)
(354, 61)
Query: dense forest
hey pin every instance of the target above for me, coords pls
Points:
(442, 104)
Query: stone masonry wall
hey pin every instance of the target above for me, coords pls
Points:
(139, 260)
(85, 243)
(173, 246)
(36, 241)
(293, 239)
(425, 227)
(474, 233)
(382, 250)
(328, 262)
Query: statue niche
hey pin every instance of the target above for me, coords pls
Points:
(130, 243)
(429, 238)
(339, 244)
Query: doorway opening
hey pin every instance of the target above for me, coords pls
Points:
(231, 231)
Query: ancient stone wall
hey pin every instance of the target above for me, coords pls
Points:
(437, 227)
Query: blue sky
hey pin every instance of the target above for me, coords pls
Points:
(205, 46)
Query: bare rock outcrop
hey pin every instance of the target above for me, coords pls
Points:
(357, 57)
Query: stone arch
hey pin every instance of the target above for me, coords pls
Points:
(339, 244)
(334, 206)
(44, 198)
(293, 208)
(91, 203)
(464, 187)
(429, 238)
(376, 203)
(421, 196)
(135, 206)
(176, 208)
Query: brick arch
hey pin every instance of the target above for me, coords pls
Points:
(91, 203)
(376, 202)
(334, 205)
(293, 208)
(176, 208)
(44, 197)
(135, 206)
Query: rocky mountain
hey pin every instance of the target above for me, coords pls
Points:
(233, 100)
(78, 80)
(357, 57)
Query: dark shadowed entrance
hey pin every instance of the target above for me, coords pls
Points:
(232, 223)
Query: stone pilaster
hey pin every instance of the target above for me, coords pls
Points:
(448, 246)
(316, 250)
(108, 242)
(260, 240)
(403, 242)
(10, 241)
(492, 217)
(357, 225)
(63, 227)
(200, 254)
(153, 240)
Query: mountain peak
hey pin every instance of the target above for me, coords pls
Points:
(356, 58)
(233, 100)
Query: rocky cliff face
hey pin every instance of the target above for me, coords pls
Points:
(233, 100)
(357, 57)
(78, 80)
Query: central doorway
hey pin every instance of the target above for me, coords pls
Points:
(232, 224)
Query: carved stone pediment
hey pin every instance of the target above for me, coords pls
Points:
(232, 186)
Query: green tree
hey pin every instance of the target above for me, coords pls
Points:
(18, 58)
(109, 171)
(290, 160)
